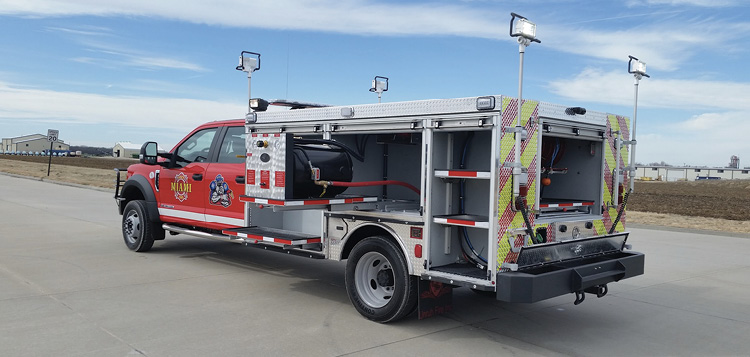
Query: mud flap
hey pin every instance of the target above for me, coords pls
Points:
(435, 298)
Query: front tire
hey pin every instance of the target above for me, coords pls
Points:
(378, 281)
(138, 231)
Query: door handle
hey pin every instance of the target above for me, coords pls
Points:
(240, 180)
(198, 177)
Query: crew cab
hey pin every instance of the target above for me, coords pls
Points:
(196, 185)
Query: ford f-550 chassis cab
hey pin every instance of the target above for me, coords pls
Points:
(419, 197)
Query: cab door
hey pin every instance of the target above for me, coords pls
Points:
(182, 185)
(225, 181)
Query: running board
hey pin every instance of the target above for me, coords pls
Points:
(200, 234)
(248, 242)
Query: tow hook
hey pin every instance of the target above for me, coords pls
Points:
(598, 290)
(580, 296)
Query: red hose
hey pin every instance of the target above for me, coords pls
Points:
(373, 183)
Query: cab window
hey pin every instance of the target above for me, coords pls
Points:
(232, 149)
(196, 148)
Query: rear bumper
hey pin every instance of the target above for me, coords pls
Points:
(536, 284)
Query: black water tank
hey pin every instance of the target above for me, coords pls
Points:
(334, 163)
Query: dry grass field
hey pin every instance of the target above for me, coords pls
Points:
(716, 205)
(727, 199)
(97, 172)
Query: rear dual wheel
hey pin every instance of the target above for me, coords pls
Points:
(378, 281)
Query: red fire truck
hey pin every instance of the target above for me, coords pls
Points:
(418, 197)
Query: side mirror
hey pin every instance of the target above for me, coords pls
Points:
(149, 153)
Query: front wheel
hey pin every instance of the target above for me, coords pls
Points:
(378, 280)
(138, 231)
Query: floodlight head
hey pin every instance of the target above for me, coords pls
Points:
(635, 66)
(379, 85)
(522, 28)
(526, 28)
(258, 104)
(249, 63)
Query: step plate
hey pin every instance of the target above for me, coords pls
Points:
(465, 220)
(272, 235)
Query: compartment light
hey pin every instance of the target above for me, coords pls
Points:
(347, 112)
(486, 103)
(251, 118)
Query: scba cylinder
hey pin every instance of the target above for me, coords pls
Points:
(333, 163)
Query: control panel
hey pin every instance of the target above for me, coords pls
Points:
(269, 166)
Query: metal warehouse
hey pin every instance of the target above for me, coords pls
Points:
(32, 143)
(690, 173)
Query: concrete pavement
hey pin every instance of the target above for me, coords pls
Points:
(70, 287)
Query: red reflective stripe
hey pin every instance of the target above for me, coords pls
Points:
(463, 173)
(458, 221)
(316, 202)
(577, 204)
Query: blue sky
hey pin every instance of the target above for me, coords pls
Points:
(105, 71)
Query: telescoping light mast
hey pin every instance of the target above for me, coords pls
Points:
(525, 31)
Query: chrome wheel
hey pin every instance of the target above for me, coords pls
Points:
(131, 227)
(374, 279)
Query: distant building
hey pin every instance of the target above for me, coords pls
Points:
(126, 149)
(688, 173)
(734, 162)
(32, 143)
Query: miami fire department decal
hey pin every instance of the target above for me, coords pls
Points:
(220, 193)
(181, 187)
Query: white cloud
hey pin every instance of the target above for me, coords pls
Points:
(84, 30)
(663, 47)
(665, 44)
(700, 3)
(353, 16)
(707, 140)
(100, 43)
(39, 105)
(595, 85)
